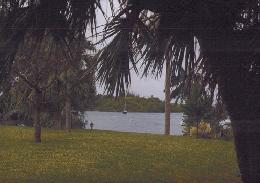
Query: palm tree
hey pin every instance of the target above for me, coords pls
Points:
(227, 32)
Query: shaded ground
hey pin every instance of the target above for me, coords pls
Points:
(102, 156)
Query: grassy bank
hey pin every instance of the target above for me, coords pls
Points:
(102, 156)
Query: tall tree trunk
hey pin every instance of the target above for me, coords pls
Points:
(68, 105)
(36, 117)
(167, 98)
(242, 97)
(234, 62)
(68, 114)
(240, 89)
(197, 129)
(247, 135)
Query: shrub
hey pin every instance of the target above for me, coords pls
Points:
(204, 130)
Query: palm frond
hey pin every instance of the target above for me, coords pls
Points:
(173, 32)
(114, 59)
(65, 20)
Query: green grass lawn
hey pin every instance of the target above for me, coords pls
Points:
(102, 156)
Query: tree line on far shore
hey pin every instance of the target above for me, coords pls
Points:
(134, 103)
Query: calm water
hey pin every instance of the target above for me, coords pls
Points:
(134, 122)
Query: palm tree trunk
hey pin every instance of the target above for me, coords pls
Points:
(245, 119)
(236, 66)
(36, 118)
(167, 98)
(240, 89)
(247, 135)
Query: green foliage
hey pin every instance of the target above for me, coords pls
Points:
(204, 130)
(49, 71)
(78, 121)
(199, 107)
(85, 156)
(12, 105)
(134, 104)
(5, 99)
(48, 121)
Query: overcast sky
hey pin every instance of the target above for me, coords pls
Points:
(141, 86)
(144, 86)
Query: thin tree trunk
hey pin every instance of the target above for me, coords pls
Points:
(167, 98)
(60, 120)
(197, 129)
(68, 114)
(68, 105)
(36, 118)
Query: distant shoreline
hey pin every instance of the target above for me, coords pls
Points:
(129, 111)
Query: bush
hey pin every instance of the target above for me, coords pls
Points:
(13, 115)
(78, 123)
(204, 130)
(227, 132)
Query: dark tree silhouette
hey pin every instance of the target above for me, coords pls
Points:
(227, 33)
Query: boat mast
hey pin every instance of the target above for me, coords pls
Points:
(125, 103)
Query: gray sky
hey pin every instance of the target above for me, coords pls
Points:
(141, 86)
(144, 86)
